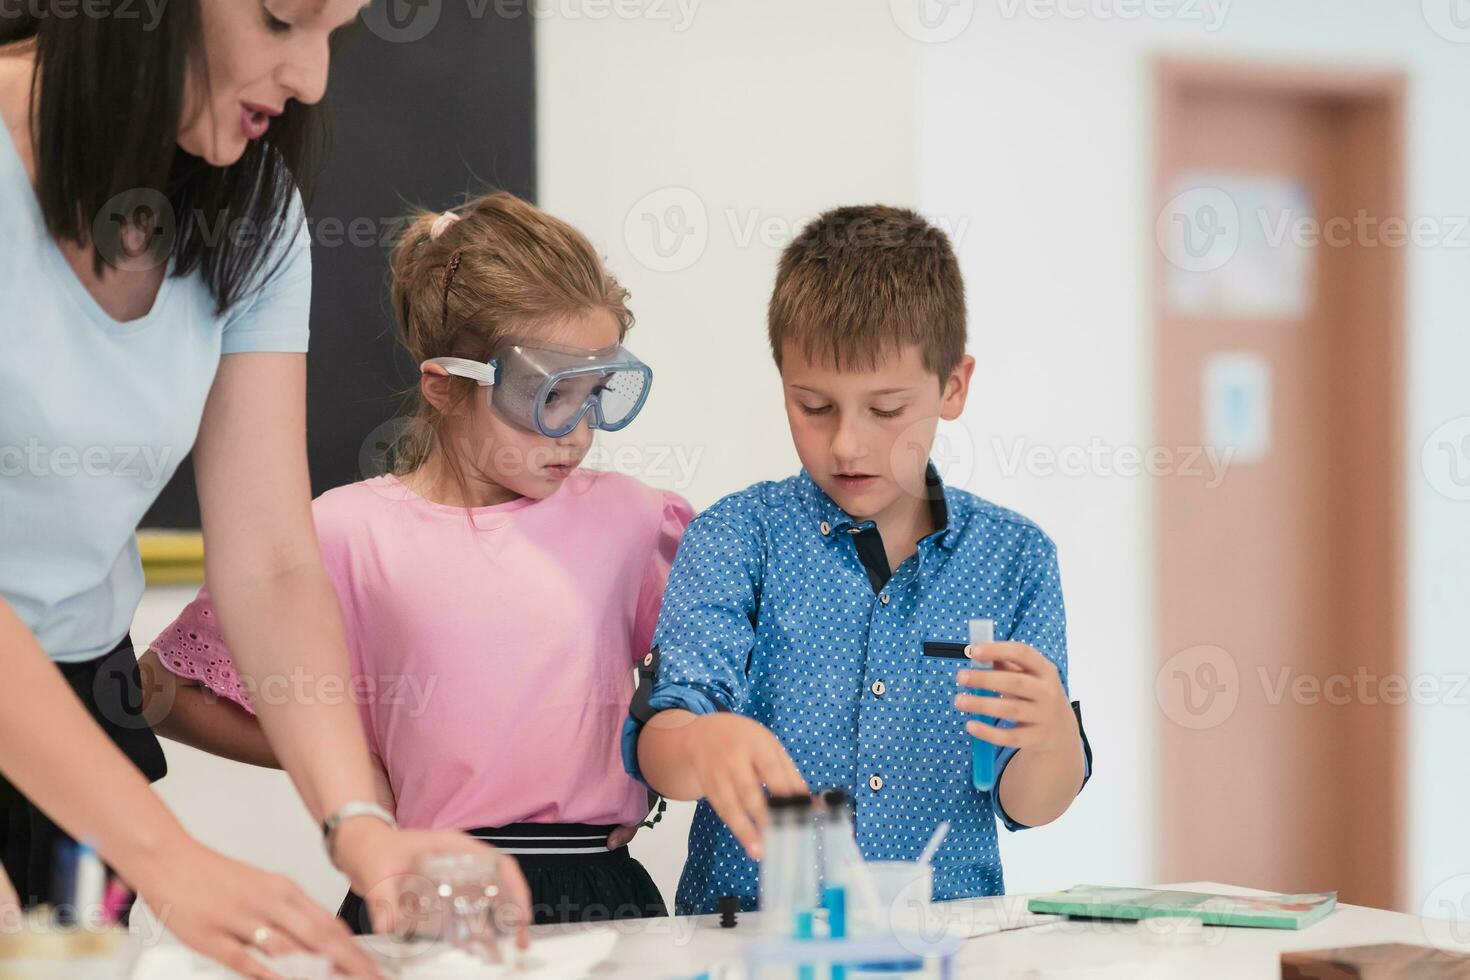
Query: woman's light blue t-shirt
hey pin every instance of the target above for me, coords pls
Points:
(97, 415)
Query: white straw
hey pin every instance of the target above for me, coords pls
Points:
(931, 848)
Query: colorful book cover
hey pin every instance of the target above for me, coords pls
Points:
(1265, 911)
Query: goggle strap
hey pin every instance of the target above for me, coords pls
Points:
(477, 371)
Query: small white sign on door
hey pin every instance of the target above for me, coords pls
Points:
(1238, 246)
(1236, 389)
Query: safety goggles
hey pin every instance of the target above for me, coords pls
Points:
(551, 389)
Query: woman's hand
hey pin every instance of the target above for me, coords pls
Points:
(227, 910)
(56, 755)
(379, 861)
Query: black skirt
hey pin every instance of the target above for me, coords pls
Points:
(111, 690)
(572, 875)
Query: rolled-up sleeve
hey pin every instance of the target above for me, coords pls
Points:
(706, 626)
(1040, 623)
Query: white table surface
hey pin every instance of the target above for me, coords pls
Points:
(683, 947)
(686, 946)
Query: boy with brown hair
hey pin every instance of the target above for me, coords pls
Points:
(791, 648)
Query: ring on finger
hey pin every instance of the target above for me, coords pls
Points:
(261, 936)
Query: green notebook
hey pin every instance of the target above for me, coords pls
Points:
(1266, 911)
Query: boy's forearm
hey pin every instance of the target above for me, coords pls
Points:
(662, 756)
(1038, 786)
(181, 710)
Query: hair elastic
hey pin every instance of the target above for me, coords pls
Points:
(441, 224)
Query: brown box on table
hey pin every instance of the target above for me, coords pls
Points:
(1392, 961)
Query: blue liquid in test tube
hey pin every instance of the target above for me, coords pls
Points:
(982, 753)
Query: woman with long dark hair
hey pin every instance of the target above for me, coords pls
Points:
(154, 294)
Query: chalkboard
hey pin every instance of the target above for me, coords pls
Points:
(418, 119)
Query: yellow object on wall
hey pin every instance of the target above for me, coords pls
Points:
(172, 557)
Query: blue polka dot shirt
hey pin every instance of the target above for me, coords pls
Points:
(775, 609)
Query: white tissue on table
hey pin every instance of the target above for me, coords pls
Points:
(171, 962)
(566, 957)
(552, 958)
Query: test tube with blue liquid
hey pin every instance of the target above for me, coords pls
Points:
(839, 851)
(982, 753)
(788, 873)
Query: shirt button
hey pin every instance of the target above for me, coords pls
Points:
(879, 688)
(875, 783)
(883, 598)
(826, 528)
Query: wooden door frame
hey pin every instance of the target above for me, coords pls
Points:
(1381, 98)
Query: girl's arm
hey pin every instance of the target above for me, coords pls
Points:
(182, 709)
(384, 796)
(281, 622)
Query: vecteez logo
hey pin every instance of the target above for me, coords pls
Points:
(1198, 687)
(667, 230)
(932, 21)
(1450, 19)
(1198, 230)
(402, 21)
(135, 230)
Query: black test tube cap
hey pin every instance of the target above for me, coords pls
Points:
(794, 802)
(729, 905)
(835, 798)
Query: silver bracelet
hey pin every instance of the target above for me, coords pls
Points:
(356, 808)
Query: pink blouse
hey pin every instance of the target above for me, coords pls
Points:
(493, 662)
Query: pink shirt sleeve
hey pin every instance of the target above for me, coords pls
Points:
(677, 513)
(192, 647)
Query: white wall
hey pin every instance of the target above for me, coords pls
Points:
(1039, 126)
(758, 116)
(1055, 298)
(1028, 137)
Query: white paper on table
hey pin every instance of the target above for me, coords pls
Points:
(172, 962)
(565, 957)
(968, 919)
(1127, 970)
(975, 928)
(568, 957)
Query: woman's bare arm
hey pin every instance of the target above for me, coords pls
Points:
(276, 608)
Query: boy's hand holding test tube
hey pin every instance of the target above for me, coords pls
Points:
(1025, 688)
(1032, 696)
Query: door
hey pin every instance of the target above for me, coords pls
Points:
(1277, 369)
